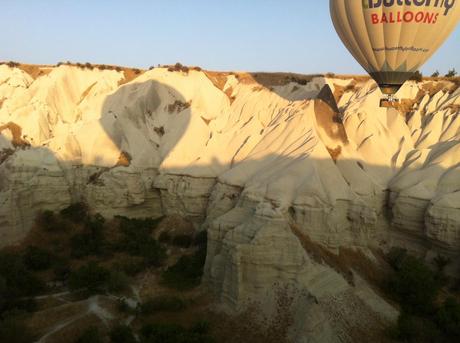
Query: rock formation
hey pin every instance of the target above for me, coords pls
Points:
(271, 172)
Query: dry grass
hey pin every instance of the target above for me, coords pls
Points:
(335, 153)
(281, 79)
(124, 160)
(34, 70)
(322, 255)
(16, 131)
(327, 119)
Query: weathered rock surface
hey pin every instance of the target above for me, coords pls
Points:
(249, 164)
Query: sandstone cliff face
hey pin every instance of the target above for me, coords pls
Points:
(259, 168)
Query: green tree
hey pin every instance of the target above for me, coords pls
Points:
(451, 73)
(415, 285)
(122, 334)
(90, 335)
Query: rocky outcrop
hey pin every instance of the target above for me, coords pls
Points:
(260, 168)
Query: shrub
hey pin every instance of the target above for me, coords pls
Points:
(84, 245)
(92, 241)
(49, 221)
(37, 258)
(122, 334)
(172, 334)
(451, 73)
(441, 263)
(61, 268)
(3, 292)
(435, 74)
(201, 238)
(118, 281)
(396, 257)
(415, 330)
(131, 265)
(201, 327)
(76, 213)
(91, 277)
(187, 272)
(448, 318)
(183, 241)
(417, 76)
(164, 237)
(137, 240)
(90, 335)
(96, 279)
(415, 286)
(13, 330)
(19, 281)
(12, 64)
(162, 304)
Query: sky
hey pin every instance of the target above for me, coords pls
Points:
(249, 35)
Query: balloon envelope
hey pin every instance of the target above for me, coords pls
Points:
(392, 39)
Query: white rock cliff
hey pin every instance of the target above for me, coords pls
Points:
(266, 170)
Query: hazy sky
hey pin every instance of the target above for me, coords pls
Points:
(253, 35)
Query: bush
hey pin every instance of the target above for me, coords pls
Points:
(118, 281)
(12, 64)
(201, 327)
(165, 237)
(61, 268)
(122, 334)
(14, 331)
(37, 258)
(96, 279)
(49, 221)
(19, 281)
(416, 330)
(131, 265)
(396, 257)
(187, 272)
(90, 335)
(162, 304)
(201, 238)
(77, 213)
(435, 74)
(137, 240)
(415, 286)
(451, 73)
(417, 76)
(91, 277)
(92, 241)
(448, 319)
(183, 241)
(172, 334)
(3, 292)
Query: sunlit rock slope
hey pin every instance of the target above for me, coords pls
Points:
(257, 160)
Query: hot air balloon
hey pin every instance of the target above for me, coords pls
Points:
(392, 39)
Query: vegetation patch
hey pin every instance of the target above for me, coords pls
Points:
(162, 304)
(153, 333)
(187, 272)
(417, 286)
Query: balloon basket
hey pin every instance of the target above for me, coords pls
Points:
(389, 101)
